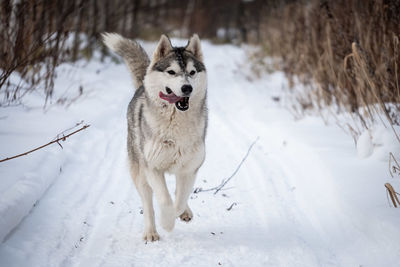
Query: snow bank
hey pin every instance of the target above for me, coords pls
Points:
(18, 199)
(379, 142)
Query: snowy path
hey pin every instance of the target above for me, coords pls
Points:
(298, 200)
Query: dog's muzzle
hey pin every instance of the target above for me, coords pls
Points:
(181, 103)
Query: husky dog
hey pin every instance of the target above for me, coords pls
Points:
(167, 122)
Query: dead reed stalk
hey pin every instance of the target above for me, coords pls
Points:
(393, 194)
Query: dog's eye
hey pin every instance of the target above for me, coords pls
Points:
(171, 72)
(192, 73)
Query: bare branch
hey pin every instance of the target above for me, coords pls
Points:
(62, 138)
(224, 182)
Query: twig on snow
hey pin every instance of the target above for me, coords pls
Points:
(224, 182)
(57, 140)
(231, 206)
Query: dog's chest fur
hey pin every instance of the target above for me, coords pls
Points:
(176, 142)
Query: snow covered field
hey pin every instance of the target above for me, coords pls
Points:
(301, 198)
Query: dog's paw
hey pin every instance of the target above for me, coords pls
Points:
(168, 218)
(187, 215)
(151, 236)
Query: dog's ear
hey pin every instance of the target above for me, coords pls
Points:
(194, 47)
(163, 48)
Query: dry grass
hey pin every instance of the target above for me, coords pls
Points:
(346, 52)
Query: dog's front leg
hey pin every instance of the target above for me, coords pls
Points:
(146, 194)
(156, 181)
(184, 186)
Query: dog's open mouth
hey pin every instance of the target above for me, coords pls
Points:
(181, 103)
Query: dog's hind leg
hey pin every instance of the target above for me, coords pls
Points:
(184, 186)
(146, 195)
(156, 180)
(187, 215)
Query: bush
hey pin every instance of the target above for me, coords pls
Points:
(345, 51)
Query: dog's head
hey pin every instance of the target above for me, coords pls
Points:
(177, 75)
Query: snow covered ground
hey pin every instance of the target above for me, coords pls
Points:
(301, 198)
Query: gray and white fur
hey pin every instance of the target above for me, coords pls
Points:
(167, 122)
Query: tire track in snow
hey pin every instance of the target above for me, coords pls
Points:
(115, 209)
(84, 197)
(98, 187)
(266, 174)
(281, 216)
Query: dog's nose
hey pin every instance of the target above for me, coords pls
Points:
(187, 89)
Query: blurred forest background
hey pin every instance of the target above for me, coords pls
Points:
(345, 52)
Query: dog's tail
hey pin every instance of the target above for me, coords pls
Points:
(134, 55)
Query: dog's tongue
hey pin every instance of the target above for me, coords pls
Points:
(171, 98)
